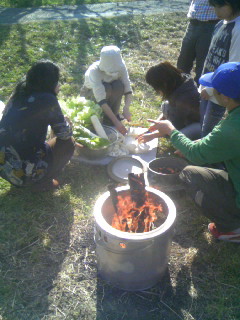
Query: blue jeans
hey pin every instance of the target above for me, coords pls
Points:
(210, 114)
(192, 131)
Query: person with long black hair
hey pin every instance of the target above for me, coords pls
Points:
(26, 158)
(180, 99)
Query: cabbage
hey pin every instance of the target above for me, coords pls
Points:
(79, 110)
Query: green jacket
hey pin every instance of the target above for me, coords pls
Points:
(221, 145)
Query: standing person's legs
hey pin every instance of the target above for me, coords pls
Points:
(212, 190)
(188, 53)
(202, 46)
(213, 114)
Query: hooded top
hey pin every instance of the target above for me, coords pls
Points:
(110, 67)
(183, 104)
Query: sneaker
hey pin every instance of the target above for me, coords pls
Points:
(225, 236)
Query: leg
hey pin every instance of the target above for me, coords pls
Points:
(187, 53)
(114, 92)
(212, 116)
(212, 191)
(192, 131)
(62, 151)
(202, 46)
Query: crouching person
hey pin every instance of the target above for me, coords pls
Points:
(106, 82)
(217, 192)
(26, 158)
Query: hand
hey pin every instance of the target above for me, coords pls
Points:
(164, 127)
(127, 114)
(120, 127)
(68, 121)
(204, 95)
(179, 153)
(145, 137)
(79, 145)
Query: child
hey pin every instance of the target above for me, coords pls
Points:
(224, 47)
(182, 99)
(108, 80)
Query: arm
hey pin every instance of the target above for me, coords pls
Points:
(220, 145)
(234, 52)
(146, 137)
(127, 92)
(108, 111)
(60, 126)
(126, 113)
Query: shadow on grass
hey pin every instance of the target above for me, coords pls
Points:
(34, 240)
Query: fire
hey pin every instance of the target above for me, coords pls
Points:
(130, 218)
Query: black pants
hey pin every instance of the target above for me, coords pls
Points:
(195, 46)
(213, 191)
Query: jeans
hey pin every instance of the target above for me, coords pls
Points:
(210, 114)
(192, 131)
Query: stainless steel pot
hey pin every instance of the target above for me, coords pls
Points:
(132, 261)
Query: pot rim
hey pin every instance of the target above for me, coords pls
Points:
(179, 160)
(103, 224)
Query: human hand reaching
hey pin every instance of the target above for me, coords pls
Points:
(164, 127)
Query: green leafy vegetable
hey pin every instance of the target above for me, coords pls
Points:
(79, 110)
(88, 138)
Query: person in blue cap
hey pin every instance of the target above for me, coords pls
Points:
(216, 191)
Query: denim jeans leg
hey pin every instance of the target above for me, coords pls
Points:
(212, 116)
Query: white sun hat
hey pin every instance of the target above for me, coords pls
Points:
(110, 59)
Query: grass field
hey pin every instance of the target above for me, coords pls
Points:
(47, 252)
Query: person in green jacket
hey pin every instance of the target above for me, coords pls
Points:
(217, 192)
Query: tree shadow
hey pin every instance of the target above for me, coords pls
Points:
(35, 237)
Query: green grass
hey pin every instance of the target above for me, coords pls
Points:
(47, 257)
(40, 3)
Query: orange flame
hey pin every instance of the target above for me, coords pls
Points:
(131, 219)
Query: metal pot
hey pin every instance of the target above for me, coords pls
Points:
(157, 178)
(132, 261)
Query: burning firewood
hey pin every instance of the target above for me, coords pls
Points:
(113, 196)
(137, 188)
